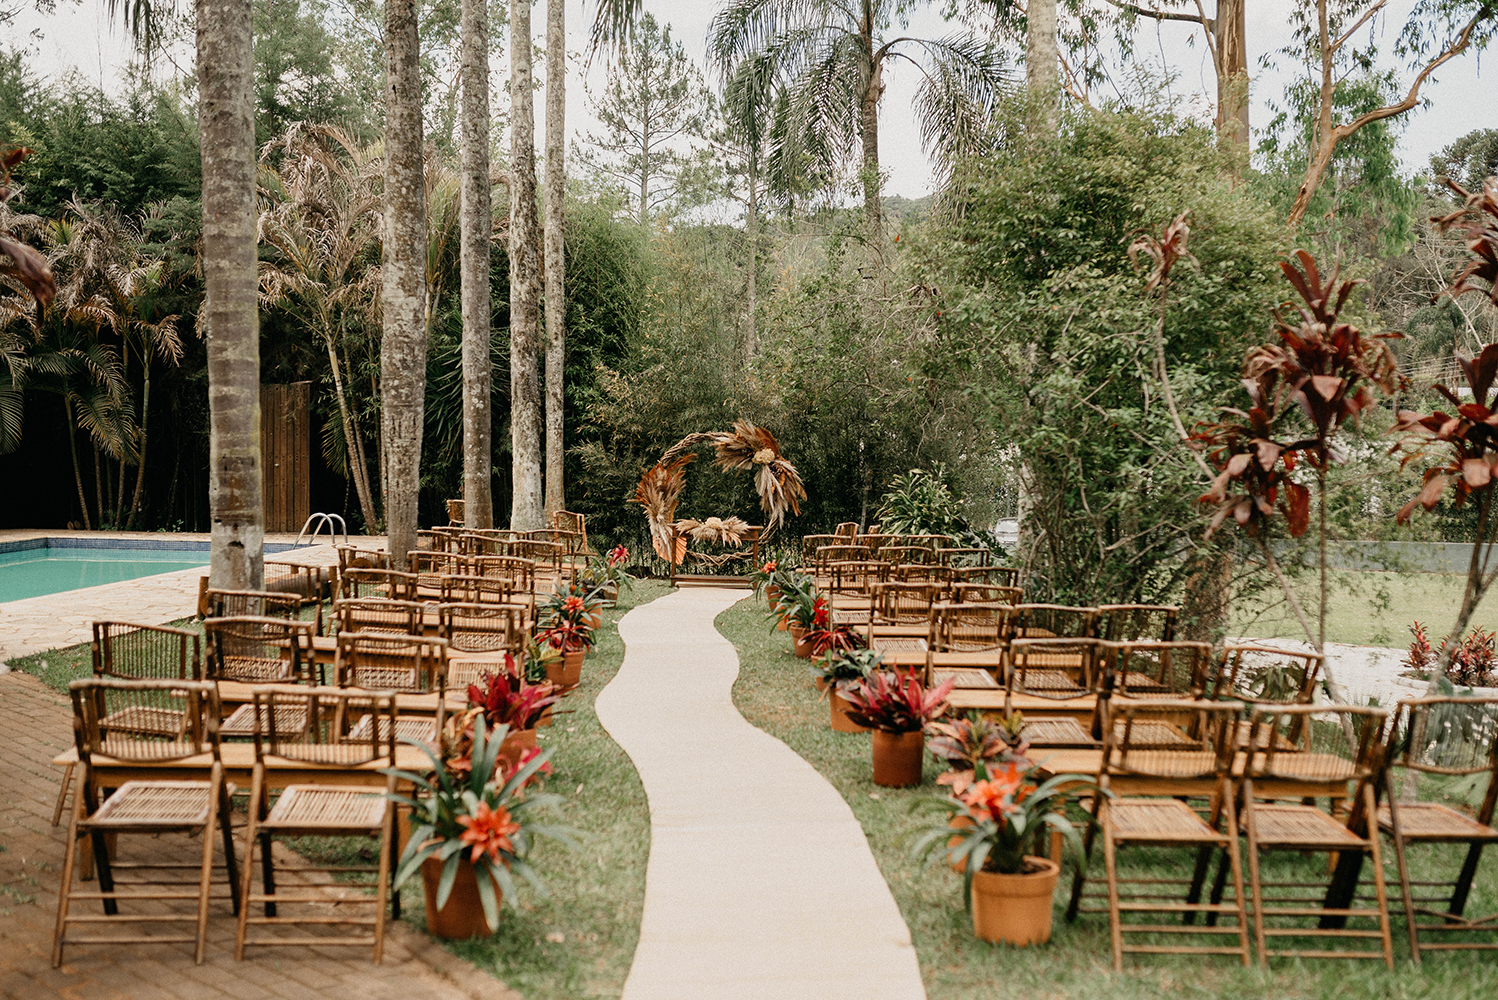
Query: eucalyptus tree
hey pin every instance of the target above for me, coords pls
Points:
(403, 344)
(525, 282)
(554, 253)
(836, 52)
(748, 118)
(477, 234)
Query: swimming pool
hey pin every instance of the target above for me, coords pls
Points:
(39, 566)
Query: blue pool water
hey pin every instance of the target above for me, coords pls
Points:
(34, 572)
(38, 566)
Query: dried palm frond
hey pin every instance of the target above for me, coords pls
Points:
(659, 491)
(718, 560)
(723, 530)
(777, 481)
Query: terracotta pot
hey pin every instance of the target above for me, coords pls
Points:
(516, 742)
(544, 719)
(897, 758)
(782, 626)
(772, 593)
(840, 721)
(798, 646)
(594, 621)
(1015, 909)
(567, 671)
(820, 682)
(958, 823)
(463, 915)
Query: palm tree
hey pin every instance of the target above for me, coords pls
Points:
(525, 282)
(318, 221)
(836, 52)
(403, 346)
(226, 116)
(477, 235)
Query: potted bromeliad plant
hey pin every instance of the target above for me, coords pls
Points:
(1000, 816)
(568, 620)
(843, 666)
(898, 709)
(605, 575)
(474, 820)
(795, 605)
(502, 698)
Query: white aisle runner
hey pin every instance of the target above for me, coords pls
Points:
(760, 885)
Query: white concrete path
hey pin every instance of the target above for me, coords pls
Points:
(760, 883)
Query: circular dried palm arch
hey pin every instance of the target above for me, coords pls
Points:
(746, 448)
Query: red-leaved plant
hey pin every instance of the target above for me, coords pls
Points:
(894, 704)
(1470, 663)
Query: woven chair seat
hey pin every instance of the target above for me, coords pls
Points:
(385, 678)
(1048, 681)
(1167, 820)
(478, 642)
(323, 807)
(850, 617)
(1136, 683)
(1306, 827)
(416, 728)
(241, 722)
(144, 720)
(1280, 742)
(255, 669)
(1433, 821)
(1152, 735)
(900, 644)
(1057, 733)
(1318, 767)
(964, 677)
(155, 803)
(957, 644)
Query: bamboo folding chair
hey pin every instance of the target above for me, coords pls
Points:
(1003, 576)
(519, 572)
(1266, 675)
(1144, 786)
(1152, 669)
(482, 628)
(386, 583)
(431, 567)
(144, 806)
(122, 649)
(1056, 670)
(1336, 747)
(384, 661)
(1453, 738)
(811, 543)
(486, 542)
(334, 808)
(984, 593)
(258, 650)
(1052, 621)
(968, 628)
(958, 556)
(1129, 622)
(353, 557)
(378, 614)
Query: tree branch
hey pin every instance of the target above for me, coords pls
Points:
(1164, 15)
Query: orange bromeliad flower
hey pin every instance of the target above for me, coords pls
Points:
(488, 831)
(573, 603)
(998, 796)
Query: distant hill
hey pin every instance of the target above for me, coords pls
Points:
(902, 210)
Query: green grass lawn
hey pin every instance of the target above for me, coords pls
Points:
(579, 940)
(775, 693)
(1369, 608)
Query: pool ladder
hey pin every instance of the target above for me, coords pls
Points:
(317, 522)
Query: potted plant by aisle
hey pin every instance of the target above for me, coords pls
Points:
(840, 667)
(968, 742)
(897, 708)
(795, 607)
(1006, 885)
(606, 576)
(762, 581)
(504, 698)
(575, 601)
(474, 823)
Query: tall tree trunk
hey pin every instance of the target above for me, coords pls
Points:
(403, 346)
(98, 489)
(357, 469)
(67, 409)
(226, 112)
(868, 124)
(477, 230)
(140, 468)
(1042, 59)
(751, 226)
(556, 256)
(1232, 70)
(525, 281)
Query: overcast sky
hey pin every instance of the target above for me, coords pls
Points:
(1462, 97)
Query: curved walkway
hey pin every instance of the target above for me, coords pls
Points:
(760, 882)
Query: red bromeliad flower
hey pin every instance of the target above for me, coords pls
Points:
(769, 567)
(821, 613)
(488, 831)
(617, 556)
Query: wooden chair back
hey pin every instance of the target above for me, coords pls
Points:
(322, 725)
(377, 614)
(908, 555)
(984, 593)
(255, 603)
(457, 512)
(873, 541)
(386, 583)
(1003, 576)
(1314, 743)
(1266, 674)
(857, 578)
(964, 628)
(1450, 736)
(478, 590)
(1151, 669)
(568, 521)
(842, 552)
(518, 572)
(1052, 621)
(430, 567)
(354, 557)
(486, 542)
(111, 718)
(1128, 622)
(811, 543)
(482, 628)
(1168, 747)
(123, 649)
(546, 555)
(1052, 668)
(258, 650)
(896, 603)
(959, 556)
(383, 661)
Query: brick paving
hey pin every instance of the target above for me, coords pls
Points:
(35, 725)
